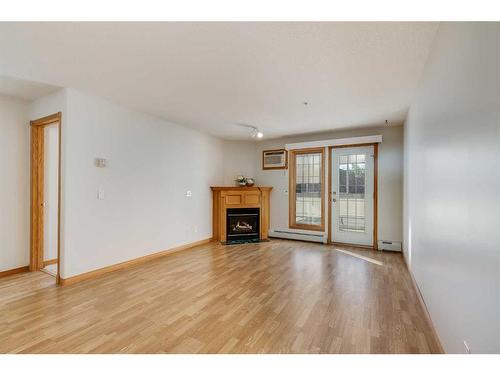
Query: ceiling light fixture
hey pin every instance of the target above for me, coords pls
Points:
(256, 133)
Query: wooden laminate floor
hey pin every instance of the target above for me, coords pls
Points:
(274, 297)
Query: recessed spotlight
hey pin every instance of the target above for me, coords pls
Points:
(260, 134)
(306, 103)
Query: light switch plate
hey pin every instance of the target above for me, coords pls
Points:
(100, 162)
(100, 194)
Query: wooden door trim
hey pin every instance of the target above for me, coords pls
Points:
(375, 190)
(291, 189)
(47, 120)
(36, 188)
(37, 135)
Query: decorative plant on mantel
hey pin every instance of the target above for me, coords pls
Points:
(245, 181)
(241, 180)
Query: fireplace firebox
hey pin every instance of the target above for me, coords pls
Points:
(242, 225)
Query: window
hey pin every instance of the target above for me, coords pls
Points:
(352, 193)
(307, 177)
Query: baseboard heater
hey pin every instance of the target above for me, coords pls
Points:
(313, 237)
(389, 245)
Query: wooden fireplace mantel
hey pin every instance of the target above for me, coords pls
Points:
(225, 197)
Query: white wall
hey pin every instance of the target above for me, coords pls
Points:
(48, 105)
(14, 183)
(390, 176)
(51, 161)
(239, 159)
(452, 179)
(151, 165)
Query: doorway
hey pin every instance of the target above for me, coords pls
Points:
(45, 195)
(353, 195)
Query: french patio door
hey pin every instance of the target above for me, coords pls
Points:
(352, 195)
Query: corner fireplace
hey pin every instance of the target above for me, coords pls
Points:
(242, 225)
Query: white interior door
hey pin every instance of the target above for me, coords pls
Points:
(352, 195)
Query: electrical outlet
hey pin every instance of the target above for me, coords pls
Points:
(467, 347)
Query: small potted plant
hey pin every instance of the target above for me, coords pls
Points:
(241, 180)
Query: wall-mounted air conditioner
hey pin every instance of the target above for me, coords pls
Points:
(274, 159)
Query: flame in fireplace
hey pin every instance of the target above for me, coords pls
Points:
(242, 226)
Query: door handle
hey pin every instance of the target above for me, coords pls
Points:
(333, 199)
(44, 204)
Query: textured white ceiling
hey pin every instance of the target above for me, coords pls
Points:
(211, 76)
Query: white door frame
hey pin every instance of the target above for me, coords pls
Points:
(375, 190)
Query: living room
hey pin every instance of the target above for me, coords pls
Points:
(249, 187)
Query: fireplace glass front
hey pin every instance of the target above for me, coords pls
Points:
(242, 225)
